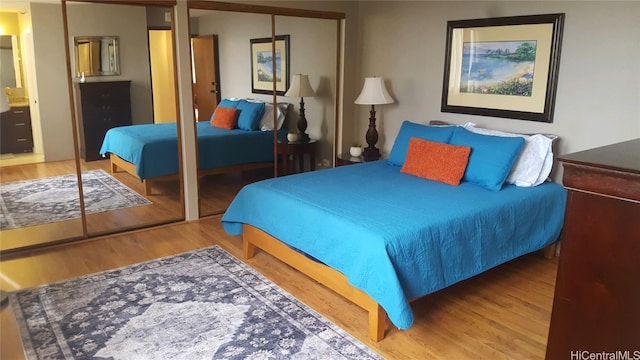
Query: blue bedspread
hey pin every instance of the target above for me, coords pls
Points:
(397, 236)
(153, 148)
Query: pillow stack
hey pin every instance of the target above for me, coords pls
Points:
(451, 154)
(248, 114)
(534, 163)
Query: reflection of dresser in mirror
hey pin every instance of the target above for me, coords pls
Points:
(100, 106)
(15, 131)
(15, 120)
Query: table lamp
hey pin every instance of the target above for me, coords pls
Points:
(301, 88)
(373, 93)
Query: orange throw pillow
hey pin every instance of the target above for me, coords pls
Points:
(225, 118)
(436, 161)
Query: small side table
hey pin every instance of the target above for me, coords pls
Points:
(297, 150)
(346, 159)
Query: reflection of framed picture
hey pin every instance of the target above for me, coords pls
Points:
(262, 65)
(503, 67)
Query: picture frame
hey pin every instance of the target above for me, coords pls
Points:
(503, 67)
(262, 65)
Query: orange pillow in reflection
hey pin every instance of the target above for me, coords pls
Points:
(436, 161)
(225, 118)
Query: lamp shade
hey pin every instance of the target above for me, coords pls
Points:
(374, 92)
(4, 103)
(300, 87)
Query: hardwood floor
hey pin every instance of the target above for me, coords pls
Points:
(501, 314)
(217, 191)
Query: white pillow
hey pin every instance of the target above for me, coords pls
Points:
(535, 160)
(266, 123)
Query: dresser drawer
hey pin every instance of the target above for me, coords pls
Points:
(16, 135)
(603, 181)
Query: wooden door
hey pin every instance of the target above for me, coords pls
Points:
(206, 87)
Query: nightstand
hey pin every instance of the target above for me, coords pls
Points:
(346, 159)
(297, 150)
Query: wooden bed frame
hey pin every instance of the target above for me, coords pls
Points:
(118, 163)
(253, 237)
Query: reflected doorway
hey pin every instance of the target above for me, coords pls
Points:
(162, 75)
(206, 75)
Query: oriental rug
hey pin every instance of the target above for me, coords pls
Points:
(203, 304)
(52, 199)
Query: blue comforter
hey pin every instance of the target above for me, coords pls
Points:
(397, 236)
(153, 148)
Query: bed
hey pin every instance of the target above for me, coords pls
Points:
(150, 151)
(380, 236)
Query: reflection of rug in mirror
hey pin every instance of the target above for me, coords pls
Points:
(203, 304)
(40, 201)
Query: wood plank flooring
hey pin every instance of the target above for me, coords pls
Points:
(216, 192)
(501, 314)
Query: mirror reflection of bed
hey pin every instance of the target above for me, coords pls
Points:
(149, 105)
(235, 30)
(133, 39)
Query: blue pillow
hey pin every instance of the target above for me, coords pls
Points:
(491, 159)
(229, 103)
(408, 130)
(250, 115)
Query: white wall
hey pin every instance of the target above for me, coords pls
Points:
(52, 93)
(127, 22)
(598, 98)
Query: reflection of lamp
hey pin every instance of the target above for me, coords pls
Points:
(300, 87)
(373, 93)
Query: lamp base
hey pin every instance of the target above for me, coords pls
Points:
(303, 138)
(371, 153)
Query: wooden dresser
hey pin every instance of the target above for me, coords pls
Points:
(596, 306)
(15, 131)
(100, 107)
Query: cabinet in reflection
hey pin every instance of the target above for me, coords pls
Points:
(100, 106)
(15, 131)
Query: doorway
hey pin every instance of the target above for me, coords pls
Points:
(162, 75)
(206, 75)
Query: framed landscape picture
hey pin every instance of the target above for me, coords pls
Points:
(262, 61)
(503, 67)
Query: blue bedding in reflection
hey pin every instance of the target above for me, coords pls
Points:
(153, 148)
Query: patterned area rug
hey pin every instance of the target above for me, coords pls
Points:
(46, 200)
(204, 304)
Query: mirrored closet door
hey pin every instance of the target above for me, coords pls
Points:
(124, 102)
(40, 201)
(230, 155)
(244, 54)
(314, 57)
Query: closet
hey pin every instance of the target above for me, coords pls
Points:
(315, 48)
